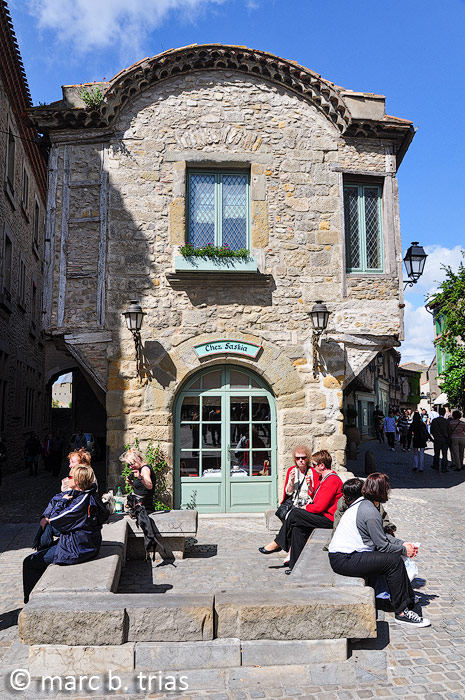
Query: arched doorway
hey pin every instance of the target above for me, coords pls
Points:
(225, 442)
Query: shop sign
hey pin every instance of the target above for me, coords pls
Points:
(227, 347)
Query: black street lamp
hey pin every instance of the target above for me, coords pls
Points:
(414, 260)
(134, 317)
(319, 315)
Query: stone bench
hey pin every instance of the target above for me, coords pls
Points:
(174, 527)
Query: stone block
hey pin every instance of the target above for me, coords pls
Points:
(178, 618)
(268, 652)
(178, 221)
(313, 567)
(319, 613)
(272, 522)
(99, 575)
(259, 224)
(93, 619)
(62, 660)
(166, 656)
(115, 532)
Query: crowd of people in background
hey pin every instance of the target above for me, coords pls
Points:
(444, 428)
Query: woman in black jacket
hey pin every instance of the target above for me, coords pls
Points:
(419, 432)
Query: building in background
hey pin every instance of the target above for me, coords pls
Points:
(22, 212)
(62, 391)
(225, 147)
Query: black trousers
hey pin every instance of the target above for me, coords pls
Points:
(440, 446)
(391, 439)
(33, 567)
(296, 530)
(390, 565)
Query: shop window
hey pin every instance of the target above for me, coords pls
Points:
(218, 209)
(363, 227)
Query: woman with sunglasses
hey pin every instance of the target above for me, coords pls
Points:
(302, 520)
(300, 474)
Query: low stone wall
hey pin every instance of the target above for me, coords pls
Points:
(74, 613)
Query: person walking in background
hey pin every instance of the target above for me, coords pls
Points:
(378, 417)
(80, 440)
(32, 452)
(441, 431)
(418, 434)
(403, 426)
(431, 416)
(47, 452)
(389, 426)
(56, 455)
(457, 440)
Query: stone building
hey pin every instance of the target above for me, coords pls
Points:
(22, 212)
(222, 145)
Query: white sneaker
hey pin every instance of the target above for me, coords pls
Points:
(392, 449)
(410, 618)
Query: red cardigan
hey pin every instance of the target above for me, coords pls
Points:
(326, 497)
(312, 486)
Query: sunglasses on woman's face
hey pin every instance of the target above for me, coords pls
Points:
(300, 457)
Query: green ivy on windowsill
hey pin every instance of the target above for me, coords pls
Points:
(211, 251)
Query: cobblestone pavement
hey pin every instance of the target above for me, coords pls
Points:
(427, 663)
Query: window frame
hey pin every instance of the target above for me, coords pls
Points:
(361, 185)
(10, 165)
(218, 199)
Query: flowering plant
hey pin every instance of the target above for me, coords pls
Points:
(211, 251)
(93, 97)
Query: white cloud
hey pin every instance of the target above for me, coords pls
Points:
(86, 25)
(419, 335)
(418, 323)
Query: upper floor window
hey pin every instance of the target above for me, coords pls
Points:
(36, 224)
(25, 190)
(10, 162)
(363, 229)
(218, 209)
(7, 265)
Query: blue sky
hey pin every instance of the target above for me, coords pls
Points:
(412, 51)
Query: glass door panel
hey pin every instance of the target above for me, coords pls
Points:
(225, 443)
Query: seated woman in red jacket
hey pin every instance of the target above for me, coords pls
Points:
(301, 522)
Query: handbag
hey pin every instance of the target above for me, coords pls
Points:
(283, 509)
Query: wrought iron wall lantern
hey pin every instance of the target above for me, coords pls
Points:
(134, 317)
(414, 260)
(319, 315)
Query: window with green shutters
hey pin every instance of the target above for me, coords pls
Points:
(218, 209)
(363, 227)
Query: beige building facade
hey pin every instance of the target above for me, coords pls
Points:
(227, 146)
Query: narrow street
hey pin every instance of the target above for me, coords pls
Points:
(427, 663)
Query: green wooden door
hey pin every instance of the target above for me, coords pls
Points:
(225, 443)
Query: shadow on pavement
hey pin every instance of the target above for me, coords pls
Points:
(9, 619)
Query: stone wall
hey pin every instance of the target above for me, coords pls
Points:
(22, 404)
(120, 219)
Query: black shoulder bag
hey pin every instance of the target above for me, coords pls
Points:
(288, 503)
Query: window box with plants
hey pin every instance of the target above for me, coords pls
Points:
(210, 258)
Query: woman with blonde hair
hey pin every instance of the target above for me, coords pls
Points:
(142, 478)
